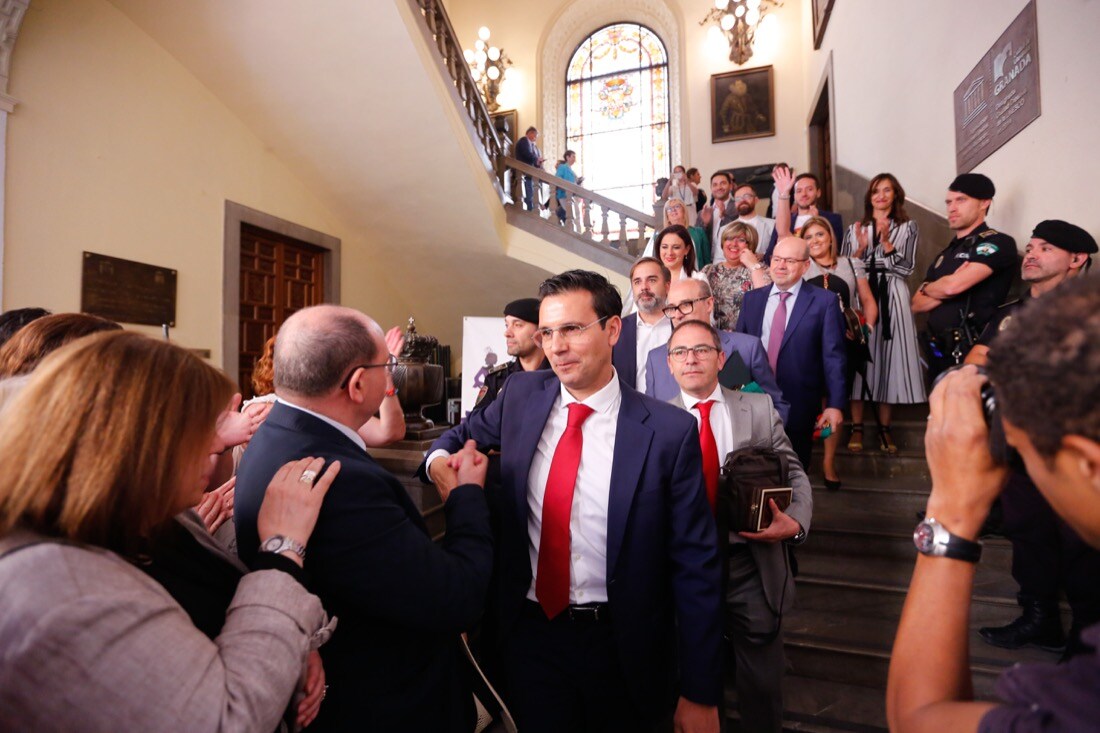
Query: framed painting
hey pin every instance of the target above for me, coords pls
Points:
(822, 10)
(505, 123)
(742, 104)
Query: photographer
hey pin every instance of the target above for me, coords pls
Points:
(1047, 390)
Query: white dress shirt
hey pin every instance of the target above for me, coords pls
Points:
(352, 435)
(649, 338)
(721, 424)
(773, 303)
(588, 517)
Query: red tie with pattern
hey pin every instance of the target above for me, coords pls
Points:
(552, 581)
(710, 452)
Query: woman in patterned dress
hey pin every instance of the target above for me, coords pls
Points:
(886, 240)
(740, 272)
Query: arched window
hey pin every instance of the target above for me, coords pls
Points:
(617, 116)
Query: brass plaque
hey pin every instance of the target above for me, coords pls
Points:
(128, 291)
(1000, 96)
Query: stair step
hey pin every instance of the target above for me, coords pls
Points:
(906, 468)
(858, 507)
(907, 434)
(822, 706)
(886, 545)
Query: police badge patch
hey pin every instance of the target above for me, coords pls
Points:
(985, 249)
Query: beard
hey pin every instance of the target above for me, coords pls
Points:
(746, 209)
(647, 301)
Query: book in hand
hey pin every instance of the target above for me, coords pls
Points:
(760, 511)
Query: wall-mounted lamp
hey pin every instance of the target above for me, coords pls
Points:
(489, 65)
(738, 20)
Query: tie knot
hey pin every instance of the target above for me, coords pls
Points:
(783, 295)
(704, 408)
(578, 413)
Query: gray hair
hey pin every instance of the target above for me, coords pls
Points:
(313, 361)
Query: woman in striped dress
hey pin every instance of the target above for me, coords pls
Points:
(886, 240)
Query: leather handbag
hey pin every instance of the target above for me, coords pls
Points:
(750, 477)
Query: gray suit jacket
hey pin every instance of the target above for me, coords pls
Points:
(91, 643)
(757, 424)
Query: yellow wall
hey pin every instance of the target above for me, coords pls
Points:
(115, 148)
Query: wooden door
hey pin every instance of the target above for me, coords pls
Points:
(821, 147)
(279, 275)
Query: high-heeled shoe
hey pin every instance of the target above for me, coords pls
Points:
(832, 485)
(885, 440)
(855, 440)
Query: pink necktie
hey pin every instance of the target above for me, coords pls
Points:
(779, 324)
(552, 580)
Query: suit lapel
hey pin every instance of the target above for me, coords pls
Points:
(740, 419)
(536, 414)
(801, 305)
(632, 439)
(759, 305)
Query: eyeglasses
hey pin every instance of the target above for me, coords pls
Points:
(684, 306)
(569, 332)
(788, 260)
(702, 352)
(745, 197)
(389, 365)
(739, 240)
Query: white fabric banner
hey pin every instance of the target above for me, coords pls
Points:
(483, 347)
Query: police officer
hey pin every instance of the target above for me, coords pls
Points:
(521, 320)
(1047, 556)
(969, 278)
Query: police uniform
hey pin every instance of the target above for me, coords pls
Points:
(1048, 557)
(494, 380)
(956, 323)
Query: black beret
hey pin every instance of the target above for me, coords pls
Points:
(974, 185)
(1065, 236)
(525, 309)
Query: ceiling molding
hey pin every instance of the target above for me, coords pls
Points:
(11, 17)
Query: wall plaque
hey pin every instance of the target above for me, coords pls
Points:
(128, 291)
(1000, 96)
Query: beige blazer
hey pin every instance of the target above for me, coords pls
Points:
(757, 424)
(90, 643)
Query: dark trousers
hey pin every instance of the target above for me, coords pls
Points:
(1048, 556)
(529, 193)
(755, 644)
(564, 675)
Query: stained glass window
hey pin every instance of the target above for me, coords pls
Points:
(616, 106)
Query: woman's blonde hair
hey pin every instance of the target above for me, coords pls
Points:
(263, 372)
(96, 446)
(675, 202)
(820, 221)
(740, 229)
(30, 344)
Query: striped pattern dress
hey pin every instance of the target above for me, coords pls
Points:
(894, 376)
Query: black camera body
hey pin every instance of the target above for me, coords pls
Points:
(998, 444)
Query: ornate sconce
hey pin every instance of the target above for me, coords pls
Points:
(737, 21)
(489, 65)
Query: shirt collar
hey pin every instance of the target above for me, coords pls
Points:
(793, 289)
(602, 401)
(642, 324)
(353, 436)
(690, 402)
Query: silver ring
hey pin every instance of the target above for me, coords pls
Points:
(308, 476)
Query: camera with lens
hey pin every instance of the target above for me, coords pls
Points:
(998, 445)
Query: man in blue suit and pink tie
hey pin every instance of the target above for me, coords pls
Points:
(802, 329)
(609, 579)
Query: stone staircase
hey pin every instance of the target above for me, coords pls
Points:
(854, 571)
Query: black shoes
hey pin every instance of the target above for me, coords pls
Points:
(1040, 625)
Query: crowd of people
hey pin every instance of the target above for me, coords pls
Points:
(172, 559)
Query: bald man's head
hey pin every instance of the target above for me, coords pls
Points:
(695, 296)
(790, 260)
(316, 347)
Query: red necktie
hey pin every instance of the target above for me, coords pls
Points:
(710, 452)
(552, 580)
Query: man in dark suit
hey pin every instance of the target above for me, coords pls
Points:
(642, 331)
(691, 299)
(760, 584)
(802, 330)
(607, 539)
(528, 152)
(395, 661)
(807, 190)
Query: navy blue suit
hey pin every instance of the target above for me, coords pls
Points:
(832, 217)
(812, 357)
(662, 550)
(624, 354)
(395, 661)
(661, 385)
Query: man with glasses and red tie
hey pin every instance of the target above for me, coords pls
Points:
(396, 660)
(802, 329)
(759, 586)
(609, 577)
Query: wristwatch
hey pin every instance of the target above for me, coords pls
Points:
(757, 266)
(932, 538)
(280, 543)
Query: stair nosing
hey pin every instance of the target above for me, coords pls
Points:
(817, 643)
(825, 580)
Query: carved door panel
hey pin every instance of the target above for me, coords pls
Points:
(279, 275)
